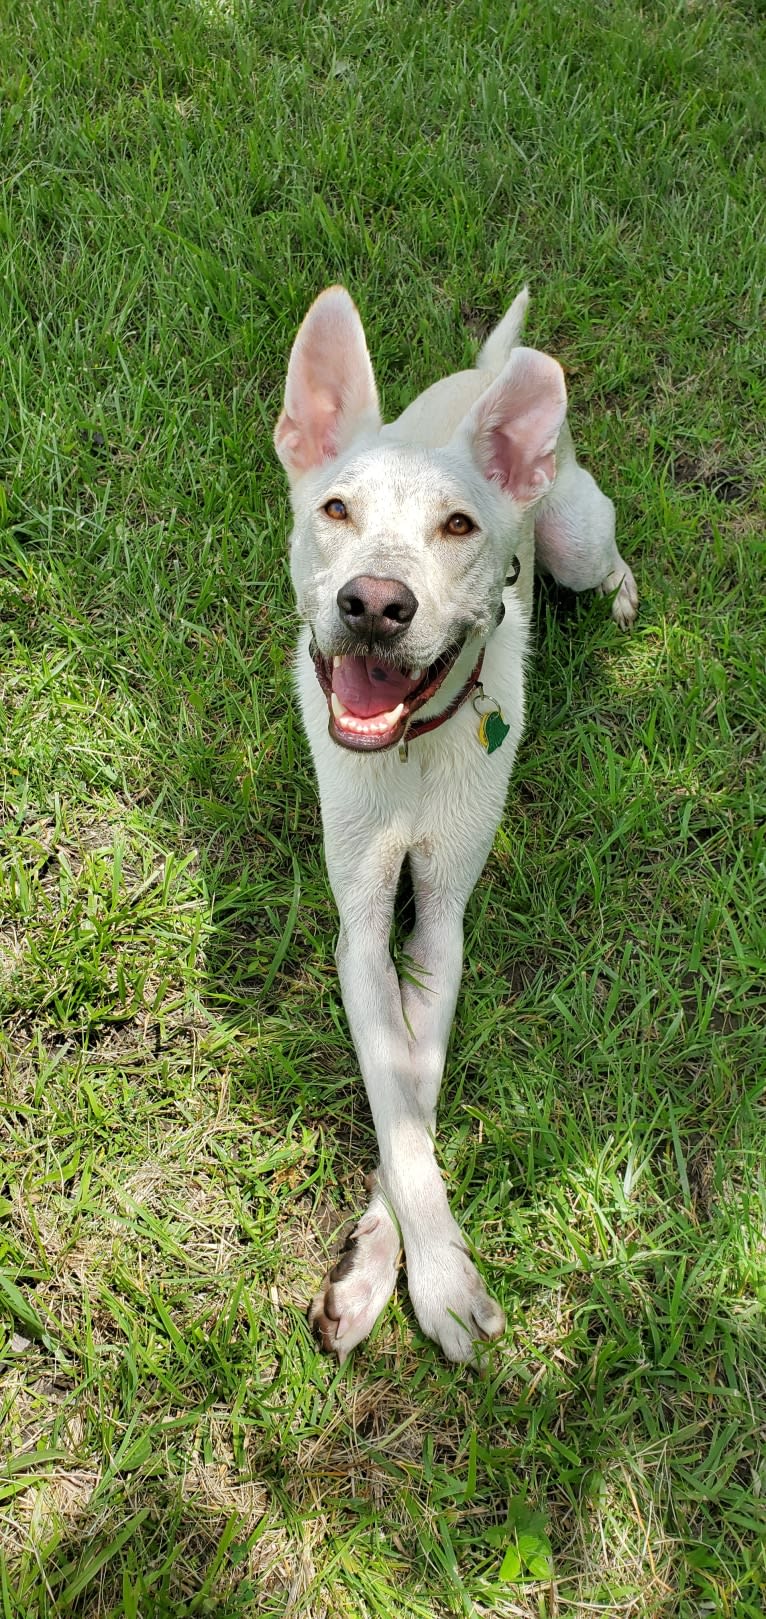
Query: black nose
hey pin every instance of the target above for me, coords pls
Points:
(376, 609)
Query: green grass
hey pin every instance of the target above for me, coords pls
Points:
(184, 1130)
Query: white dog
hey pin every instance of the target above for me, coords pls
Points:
(412, 558)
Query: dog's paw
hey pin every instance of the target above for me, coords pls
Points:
(359, 1285)
(625, 605)
(451, 1302)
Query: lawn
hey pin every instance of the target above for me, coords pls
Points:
(184, 1134)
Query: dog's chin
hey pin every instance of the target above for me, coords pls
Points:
(352, 724)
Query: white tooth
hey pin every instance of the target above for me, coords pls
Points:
(415, 673)
(335, 662)
(377, 725)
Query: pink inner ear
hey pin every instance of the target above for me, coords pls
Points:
(510, 465)
(309, 436)
(328, 410)
(330, 392)
(517, 422)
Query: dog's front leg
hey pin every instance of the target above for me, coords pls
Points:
(402, 1079)
(409, 1187)
(447, 1293)
(364, 872)
(363, 867)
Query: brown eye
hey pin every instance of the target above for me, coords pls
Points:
(336, 510)
(459, 525)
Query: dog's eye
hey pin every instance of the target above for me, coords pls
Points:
(459, 525)
(336, 510)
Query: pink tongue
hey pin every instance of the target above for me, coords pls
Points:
(366, 687)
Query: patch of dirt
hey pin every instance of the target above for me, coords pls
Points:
(477, 321)
(700, 1169)
(726, 483)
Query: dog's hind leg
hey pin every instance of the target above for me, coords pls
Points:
(575, 536)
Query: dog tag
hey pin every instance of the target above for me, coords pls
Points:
(492, 730)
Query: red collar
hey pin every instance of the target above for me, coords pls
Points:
(419, 727)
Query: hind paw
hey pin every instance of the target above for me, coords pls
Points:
(625, 604)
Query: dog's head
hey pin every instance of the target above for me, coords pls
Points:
(399, 553)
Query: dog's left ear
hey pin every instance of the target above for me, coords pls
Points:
(513, 428)
(330, 394)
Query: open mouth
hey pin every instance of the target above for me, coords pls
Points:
(371, 702)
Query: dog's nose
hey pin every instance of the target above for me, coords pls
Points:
(376, 609)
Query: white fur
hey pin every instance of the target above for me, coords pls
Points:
(491, 442)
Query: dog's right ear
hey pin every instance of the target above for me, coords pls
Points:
(330, 394)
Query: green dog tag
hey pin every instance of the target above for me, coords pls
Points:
(492, 730)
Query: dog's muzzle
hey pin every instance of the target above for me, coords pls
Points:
(372, 703)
